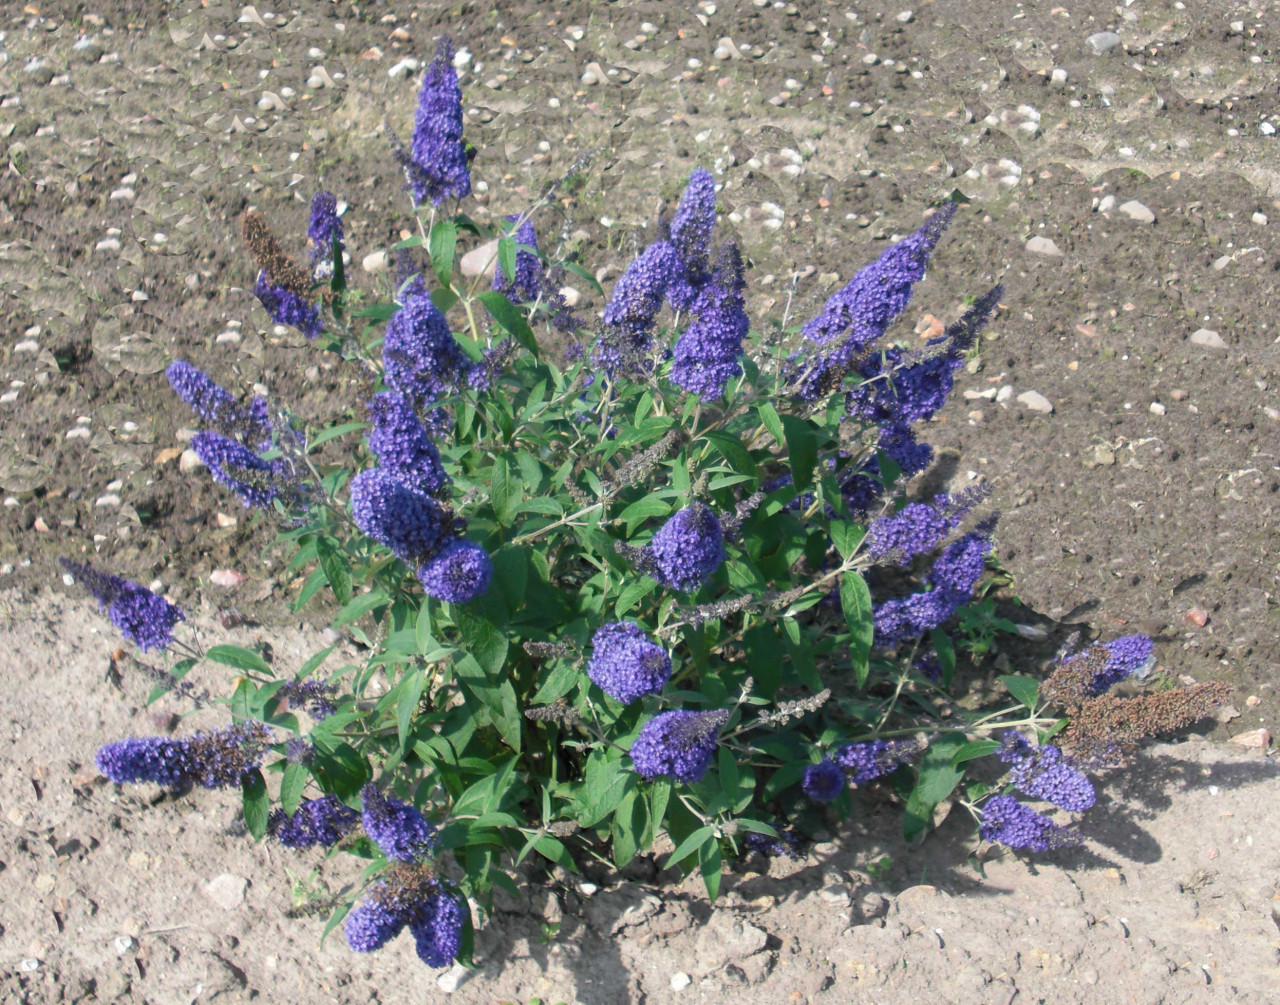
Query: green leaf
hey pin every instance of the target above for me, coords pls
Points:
(441, 247)
(498, 697)
(690, 844)
(770, 420)
(802, 450)
(633, 593)
(506, 493)
(422, 630)
(484, 640)
(559, 682)
(732, 449)
(360, 606)
(507, 258)
(855, 598)
(847, 537)
(510, 318)
(407, 703)
(335, 568)
(974, 749)
(711, 865)
(256, 805)
(554, 849)
(605, 784)
(937, 778)
(578, 270)
(946, 653)
(238, 657)
(333, 432)
(292, 783)
(335, 919)
(1024, 689)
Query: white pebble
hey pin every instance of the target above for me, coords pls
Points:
(375, 262)
(1036, 401)
(1156, 408)
(905, 16)
(1208, 338)
(78, 433)
(1043, 246)
(1260, 219)
(680, 981)
(1138, 211)
(108, 501)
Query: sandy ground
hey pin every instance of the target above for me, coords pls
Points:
(132, 896)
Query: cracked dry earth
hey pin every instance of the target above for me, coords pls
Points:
(1120, 166)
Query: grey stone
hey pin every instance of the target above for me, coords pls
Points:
(1138, 211)
(1036, 401)
(227, 891)
(1043, 246)
(1208, 338)
(727, 939)
(1102, 41)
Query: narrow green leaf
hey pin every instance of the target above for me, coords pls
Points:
(442, 246)
(507, 258)
(642, 509)
(407, 704)
(336, 570)
(333, 432)
(256, 805)
(633, 593)
(1024, 689)
(802, 450)
(554, 849)
(846, 537)
(509, 317)
(733, 451)
(946, 653)
(238, 657)
(689, 845)
(973, 749)
(422, 630)
(292, 783)
(855, 598)
(506, 493)
(770, 420)
(711, 866)
(937, 778)
(360, 606)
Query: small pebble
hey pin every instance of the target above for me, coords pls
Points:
(1102, 41)
(1156, 408)
(1036, 401)
(680, 981)
(1043, 246)
(1208, 338)
(1135, 210)
(1260, 219)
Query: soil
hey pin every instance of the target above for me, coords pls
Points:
(1146, 500)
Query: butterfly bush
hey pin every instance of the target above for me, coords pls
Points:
(679, 582)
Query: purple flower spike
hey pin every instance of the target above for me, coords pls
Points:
(402, 446)
(437, 933)
(422, 358)
(706, 355)
(678, 744)
(823, 781)
(412, 525)
(437, 164)
(217, 406)
(637, 298)
(461, 572)
(1017, 825)
(397, 828)
(688, 549)
(238, 468)
(625, 664)
(953, 577)
(691, 229)
(527, 282)
(322, 822)
(287, 308)
(325, 231)
(373, 923)
(1043, 773)
(874, 759)
(1126, 656)
(880, 291)
(155, 759)
(144, 618)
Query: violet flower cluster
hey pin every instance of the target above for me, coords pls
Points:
(257, 482)
(214, 760)
(143, 618)
(678, 744)
(217, 407)
(436, 164)
(401, 444)
(874, 759)
(688, 549)
(706, 355)
(412, 898)
(625, 664)
(952, 580)
(918, 528)
(288, 308)
(421, 358)
(410, 523)
(1126, 656)
(1044, 773)
(325, 232)
(397, 828)
(459, 573)
(637, 298)
(319, 822)
(526, 284)
(1017, 825)
(823, 781)
(691, 228)
(316, 696)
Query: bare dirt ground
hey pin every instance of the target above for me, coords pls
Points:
(1144, 500)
